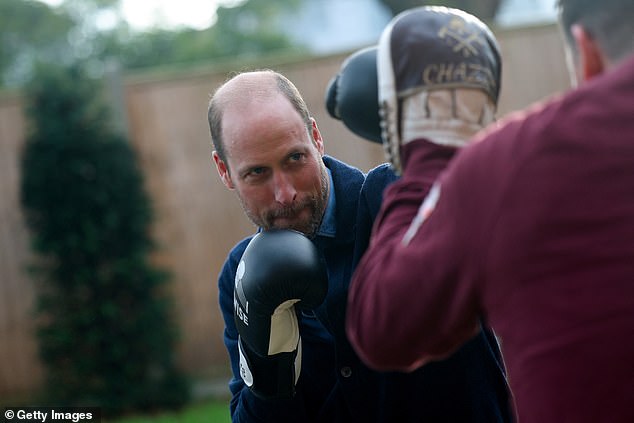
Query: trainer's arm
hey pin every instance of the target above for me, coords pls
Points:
(407, 302)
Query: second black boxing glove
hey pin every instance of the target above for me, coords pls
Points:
(352, 95)
(279, 270)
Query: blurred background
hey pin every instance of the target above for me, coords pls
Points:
(109, 255)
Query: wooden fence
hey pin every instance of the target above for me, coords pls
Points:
(197, 219)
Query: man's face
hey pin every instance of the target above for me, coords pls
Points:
(274, 164)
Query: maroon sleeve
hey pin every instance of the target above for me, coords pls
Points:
(407, 302)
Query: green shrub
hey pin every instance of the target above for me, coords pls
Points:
(105, 334)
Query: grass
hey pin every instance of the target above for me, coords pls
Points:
(212, 411)
(208, 408)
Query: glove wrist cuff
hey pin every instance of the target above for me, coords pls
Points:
(273, 376)
(452, 133)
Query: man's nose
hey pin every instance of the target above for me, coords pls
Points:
(285, 192)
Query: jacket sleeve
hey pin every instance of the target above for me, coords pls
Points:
(407, 303)
(245, 406)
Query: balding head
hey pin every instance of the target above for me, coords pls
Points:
(245, 89)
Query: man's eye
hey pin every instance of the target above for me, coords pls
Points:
(256, 172)
(296, 157)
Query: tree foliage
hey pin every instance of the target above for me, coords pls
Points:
(483, 9)
(249, 29)
(67, 34)
(105, 331)
(30, 29)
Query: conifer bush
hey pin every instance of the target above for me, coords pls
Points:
(105, 329)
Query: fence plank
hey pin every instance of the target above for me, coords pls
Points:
(20, 370)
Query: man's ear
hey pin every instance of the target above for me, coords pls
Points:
(317, 139)
(591, 61)
(223, 171)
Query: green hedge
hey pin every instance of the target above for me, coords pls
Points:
(105, 331)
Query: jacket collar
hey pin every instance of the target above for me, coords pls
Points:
(347, 182)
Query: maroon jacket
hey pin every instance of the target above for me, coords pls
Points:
(532, 232)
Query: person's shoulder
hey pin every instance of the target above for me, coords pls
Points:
(520, 133)
(506, 150)
(335, 164)
(347, 179)
(235, 254)
(238, 249)
(375, 183)
(381, 174)
(377, 179)
(228, 270)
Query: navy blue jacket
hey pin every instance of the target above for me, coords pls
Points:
(334, 385)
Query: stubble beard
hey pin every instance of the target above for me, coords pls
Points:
(315, 203)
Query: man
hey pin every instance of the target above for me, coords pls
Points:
(530, 228)
(270, 152)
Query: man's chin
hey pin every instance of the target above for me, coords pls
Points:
(284, 223)
(299, 222)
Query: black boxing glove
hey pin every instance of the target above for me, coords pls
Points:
(279, 270)
(352, 95)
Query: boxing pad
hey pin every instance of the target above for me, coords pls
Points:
(279, 271)
(435, 73)
(439, 72)
(352, 95)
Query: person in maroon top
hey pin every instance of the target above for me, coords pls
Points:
(530, 228)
